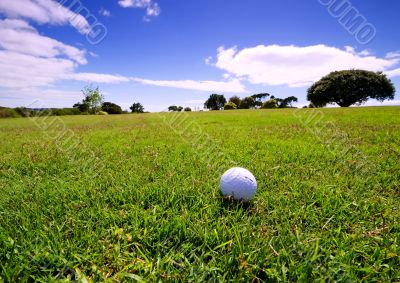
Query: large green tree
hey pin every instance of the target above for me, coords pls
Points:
(349, 87)
(215, 102)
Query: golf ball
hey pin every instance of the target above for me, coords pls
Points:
(238, 183)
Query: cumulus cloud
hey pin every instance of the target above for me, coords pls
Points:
(21, 70)
(28, 59)
(230, 86)
(20, 37)
(152, 8)
(296, 66)
(45, 12)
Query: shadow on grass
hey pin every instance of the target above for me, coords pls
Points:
(229, 203)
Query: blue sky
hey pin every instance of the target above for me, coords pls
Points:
(164, 52)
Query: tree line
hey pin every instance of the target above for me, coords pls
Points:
(255, 101)
(344, 88)
(92, 104)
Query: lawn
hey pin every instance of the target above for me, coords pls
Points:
(136, 197)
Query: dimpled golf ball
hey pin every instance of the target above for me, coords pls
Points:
(239, 184)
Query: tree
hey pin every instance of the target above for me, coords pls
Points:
(173, 108)
(236, 100)
(215, 102)
(111, 108)
(247, 103)
(137, 108)
(93, 99)
(187, 109)
(287, 102)
(269, 104)
(82, 107)
(349, 87)
(260, 98)
(230, 106)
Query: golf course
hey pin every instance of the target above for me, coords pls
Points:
(136, 197)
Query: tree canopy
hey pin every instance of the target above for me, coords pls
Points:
(92, 102)
(230, 106)
(236, 100)
(287, 102)
(350, 87)
(260, 98)
(93, 99)
(137, 108)
(175, 108)
(215, 102)
(270, 104)
(247, 103)
(111, 108)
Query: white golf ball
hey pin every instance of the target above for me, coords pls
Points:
(238, 183)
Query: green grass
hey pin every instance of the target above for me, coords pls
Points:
(148, 207)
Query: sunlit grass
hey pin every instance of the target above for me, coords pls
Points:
(152, 210)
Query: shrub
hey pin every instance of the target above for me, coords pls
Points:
(236, 100)
(270, 104)
(187, 109)
(8, 113)
(230, 106)
(102, 113)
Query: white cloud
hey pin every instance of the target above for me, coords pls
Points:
(95, 55)
(45, 12)
(231, 86)
(97, 78)
(28, 59)
(21, 70)
(295, 66)
(152, 8)
(105, 12)
(392, 55)
(18, 36)
(393, 73)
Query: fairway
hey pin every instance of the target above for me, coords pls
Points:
(136, 197)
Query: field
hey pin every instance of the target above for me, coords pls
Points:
(136, 197)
